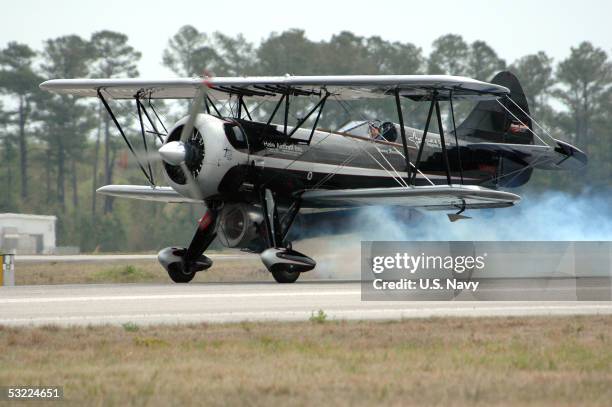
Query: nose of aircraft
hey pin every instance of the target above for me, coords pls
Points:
(173, 153)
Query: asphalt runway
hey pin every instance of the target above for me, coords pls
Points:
(233, 302)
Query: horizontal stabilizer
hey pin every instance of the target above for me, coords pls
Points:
(563, 157)
(145, 193)
(435, 197)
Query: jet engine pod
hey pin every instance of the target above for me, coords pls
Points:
(240, 227)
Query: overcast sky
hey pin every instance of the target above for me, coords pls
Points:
(512, 28)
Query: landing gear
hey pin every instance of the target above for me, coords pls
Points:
(182, 263)
(178, 274)
(284, 263)
(285, 277)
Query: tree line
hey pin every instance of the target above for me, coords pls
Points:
(57, 149)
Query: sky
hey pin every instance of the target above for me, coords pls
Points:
(513, 29)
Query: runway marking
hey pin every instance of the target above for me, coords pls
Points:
(382, 313)
(174, 296)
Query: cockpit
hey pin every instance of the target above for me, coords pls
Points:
(372, 129)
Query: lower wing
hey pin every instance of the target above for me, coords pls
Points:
(146, 193)
(435, 197)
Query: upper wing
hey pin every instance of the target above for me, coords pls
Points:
(436, 197)
(342, 87)
(146, 193)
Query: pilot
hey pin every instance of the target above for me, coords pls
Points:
(373, 131)
(388, 131)
(382, 131)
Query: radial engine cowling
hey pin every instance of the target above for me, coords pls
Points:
(241, 226)
(208, 156)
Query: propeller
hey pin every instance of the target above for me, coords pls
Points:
(178, 153)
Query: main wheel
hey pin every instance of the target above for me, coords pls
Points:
(178, 275)
(285, 277)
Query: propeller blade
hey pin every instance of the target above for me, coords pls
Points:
(175, 152)
(152, 156)
(191, 182)
(196, 107)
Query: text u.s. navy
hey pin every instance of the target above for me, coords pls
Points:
(425, 284)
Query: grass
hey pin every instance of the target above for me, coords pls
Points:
(344, 264)
(556, 361)
(123, 274)
(130, 327)
(139, 271)
(319, 317)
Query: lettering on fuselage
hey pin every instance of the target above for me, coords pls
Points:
(432, 140)
(292, 149)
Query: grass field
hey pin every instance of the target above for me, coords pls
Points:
(343, 264)
(554, 361)
(141, 271)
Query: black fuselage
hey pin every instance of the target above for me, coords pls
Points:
(288, 165)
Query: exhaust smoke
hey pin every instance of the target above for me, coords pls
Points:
(549, 216)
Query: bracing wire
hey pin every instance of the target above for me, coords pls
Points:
(519, 120)
(531, 118)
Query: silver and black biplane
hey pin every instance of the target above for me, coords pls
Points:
(255, 176)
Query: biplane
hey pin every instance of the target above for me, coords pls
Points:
(254, 176)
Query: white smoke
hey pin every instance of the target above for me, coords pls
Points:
(547, 217)
(552, 216)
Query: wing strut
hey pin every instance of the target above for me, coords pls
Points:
(420, 153)
(452, 111)
(400, 116)
(434, 104)
(319, 106)
(443, 143)
(144, 137)
(127, 141)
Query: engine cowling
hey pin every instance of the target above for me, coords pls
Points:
(209, 156)
(241, 226)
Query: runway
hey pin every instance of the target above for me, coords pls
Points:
(95, 258)
(233, 302)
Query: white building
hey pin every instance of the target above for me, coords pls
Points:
(27, 234)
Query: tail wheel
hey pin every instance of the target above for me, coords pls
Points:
(285, 277)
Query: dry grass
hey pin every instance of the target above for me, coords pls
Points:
(488, 361)
(140, 271)
(343, 264)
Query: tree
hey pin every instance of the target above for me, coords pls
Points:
(449, 56)
(6, 198)
(289, 52)
(395, 58)
(236, 56)
(535, 73)
(483, 62)
(347, 54)
(600, 155)
(66, 119)
(585, 76)
(113, 58)
(190, 53)
(18, 79)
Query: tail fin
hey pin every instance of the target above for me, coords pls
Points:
(490, 122)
